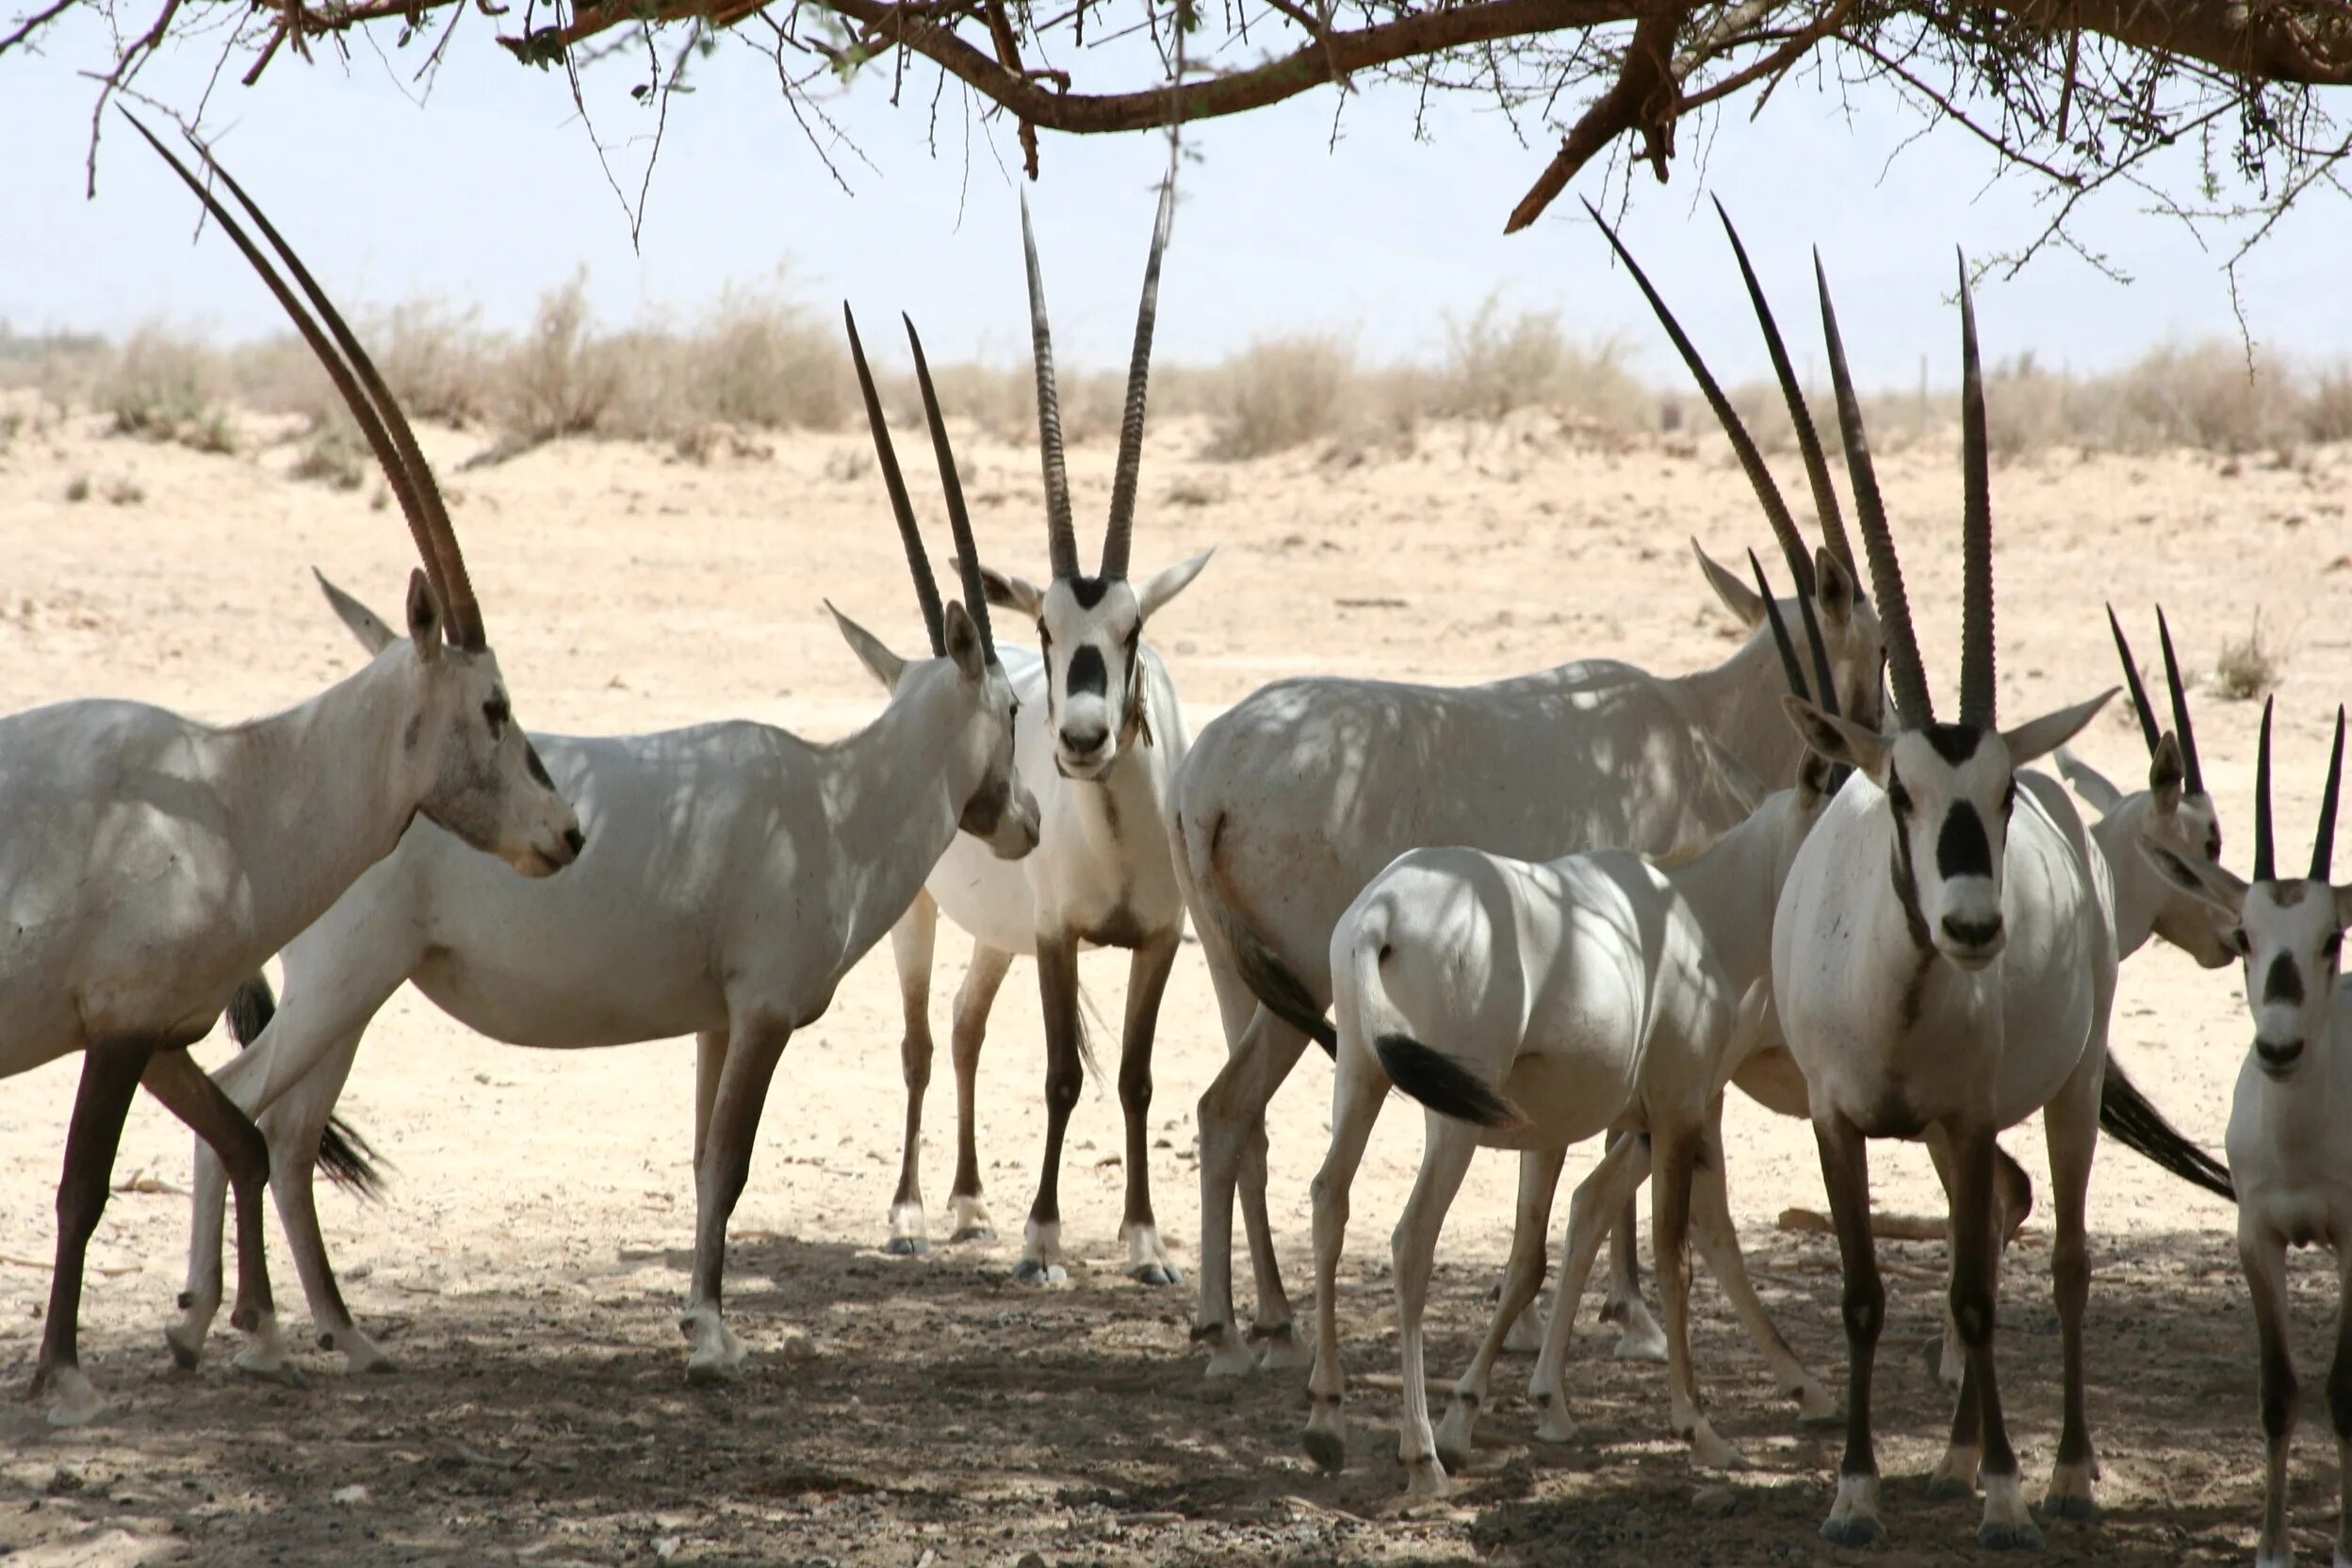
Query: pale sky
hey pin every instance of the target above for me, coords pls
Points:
(491, 193)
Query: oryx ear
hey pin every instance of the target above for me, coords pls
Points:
(2038, 737)
(425, 618)
(2088, 782)
(1165, 584)
(1813, 771)
(2343, 906)
(2165, 773)
(1745, 604)
(1839, 740)
(365, 624)
(1007, 592)
(1834, 588)
(2209, 884)
(963, 641)
(886, 667)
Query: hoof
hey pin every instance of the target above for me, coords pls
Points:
(1035, 1271)
(1427, 1478)
(1641, 1342)
(1280, 1351)
(1157, 1275)
(2019, 1536)
(2078, 1508)
(1552, 1423)
(280, 1371)
(973, 1233)
(378, 1365)
(1853, 1532)
(73, 1401)
(906, 1247)
(1452, 1456)
(712, 1373)
(183, 1355)
(1228, 1356)
(1327, 1448)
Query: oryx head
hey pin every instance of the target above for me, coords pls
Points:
(1949, 787)
(2288, 930)
(470, 764)
(1817, 778)
(2177, 815)
(1090, 629)
(1826, 579)
(997, 810)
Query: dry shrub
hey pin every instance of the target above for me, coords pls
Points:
(334, 456)
(164, 386)
(560, 380)
(438, 362)
(1281, 392)
(1493, 364)
(760, 359)
(2211, 397)
(2328, 404)
(2247, 667)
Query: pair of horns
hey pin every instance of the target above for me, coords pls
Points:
(2323, 843)
(2148, 728)
(1823, 682)
(958, 520)
(1061, 539)
(1832, 521)
(372, 406)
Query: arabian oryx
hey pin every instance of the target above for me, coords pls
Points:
(149, 863)
(1293, 800)
(2288, 1154)
(1098, 741)
(1532, 1006)
(735, 874)
(1944, 965)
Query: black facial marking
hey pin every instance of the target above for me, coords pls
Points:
(1089, 591)
(1954, 743)
(985, 809)
(2284, 982)
(534, 767)
(1897, 798)
(1906, 881)
(1961, 848)
(497, 713)
(1087, 672)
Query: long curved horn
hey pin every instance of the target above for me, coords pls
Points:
(1788, 665)
(959, 520)
(2324, 842)
(1061, 543)
(918, 563)
(420, 503)
(1131, 422)
(2132, 681)
(2265, 861)
(1825, 508)
(1978, 695)
(2194, 772)
(1792, 547)
(1905, 672)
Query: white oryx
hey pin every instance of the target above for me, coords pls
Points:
(735, 873)
(1532, 1006)
(1097, 742)
(1293, 800)
(148, 862)
(1944, 966)
(2288, 1154)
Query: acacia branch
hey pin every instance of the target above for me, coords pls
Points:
(1642, 99)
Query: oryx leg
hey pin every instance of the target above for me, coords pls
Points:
(912, 941)
(1412, 1256)
(1674, 1149)
(1147, 982)
(2072, 1123)
(1232, 1151)
(110, 1076)
(2340, 1408)
(1718, 1241)
(754, 1045)
(1523, 1281)
(2263, 1253)
(1597, 1201)
(2012, 1200)
(1065, 1076)
(174, 1078)
(1974, 1245)
(1638, 1337)
(1357, 1091)
(1846, 1172)
(967, 1031)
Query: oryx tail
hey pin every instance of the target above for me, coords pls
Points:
(345, 1157)
(2126, 1116)
(1423, 1071)
(1271, 980)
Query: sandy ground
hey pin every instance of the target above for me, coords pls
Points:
(527, 1264)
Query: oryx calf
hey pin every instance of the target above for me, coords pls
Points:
(2288, 1152)
(149, 863)
(735, 874)
(1097, 742)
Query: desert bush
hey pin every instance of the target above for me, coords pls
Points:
(334, 455)
(1281, 392)
(560, 379)
(166, 386)
(1492, 363)
(759, 358)
(2328, 404)
(2246, 668)
(2210, 397)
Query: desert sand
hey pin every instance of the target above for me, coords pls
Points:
(527, 1264)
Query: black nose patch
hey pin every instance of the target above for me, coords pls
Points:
(2284, 982)
(1087, 673)
(1962, 849)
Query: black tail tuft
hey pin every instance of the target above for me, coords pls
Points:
(1442, 1084)
(1278, 990)
(345, 1157)
(2126, 1115)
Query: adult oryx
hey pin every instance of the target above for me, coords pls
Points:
(1944, 967)
(735, 873)
(148, 862)
(1098, 741)
(1293, 800)
(2287, 1148)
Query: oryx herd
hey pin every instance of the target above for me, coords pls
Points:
(1573, 904)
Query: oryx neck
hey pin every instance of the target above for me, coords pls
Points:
(2139, 891)
(1737, 704)
(1731, 890)
(894, 791)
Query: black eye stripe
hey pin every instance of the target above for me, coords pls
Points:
(1962, 848)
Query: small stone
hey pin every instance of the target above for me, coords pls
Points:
(349, 1497)
(65, 1484)
(1030, 1559)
